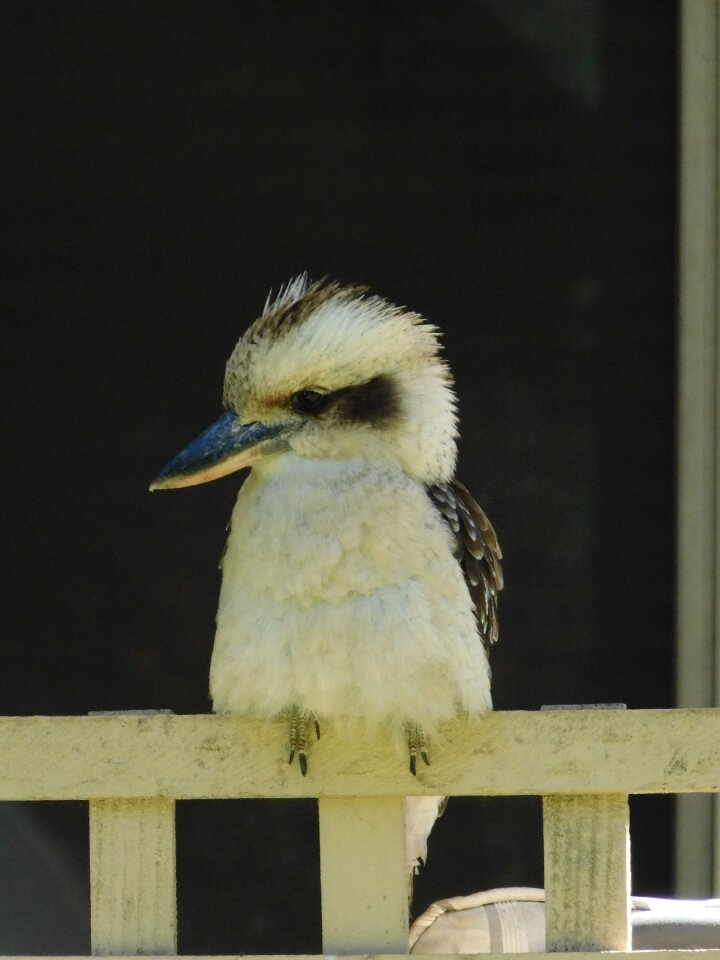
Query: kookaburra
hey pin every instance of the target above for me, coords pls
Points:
(360, 579)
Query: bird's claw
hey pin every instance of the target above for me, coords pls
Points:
(417, 743)
(298, 740)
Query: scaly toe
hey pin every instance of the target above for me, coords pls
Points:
(417, 743)
(298, 736)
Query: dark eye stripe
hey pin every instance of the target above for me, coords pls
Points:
(373, 403)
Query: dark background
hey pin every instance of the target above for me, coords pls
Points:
(506, 167)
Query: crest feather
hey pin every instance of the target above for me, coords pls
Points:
(298, 300)
(288, 292)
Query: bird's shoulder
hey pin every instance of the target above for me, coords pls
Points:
(476, 549)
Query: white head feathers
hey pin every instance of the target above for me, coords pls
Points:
(389, 392)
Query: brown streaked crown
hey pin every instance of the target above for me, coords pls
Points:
(282, 314)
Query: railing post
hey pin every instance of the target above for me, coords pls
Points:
(587, 872)
(133, 898)
(132, 877)
(586, 841)
(363, 875)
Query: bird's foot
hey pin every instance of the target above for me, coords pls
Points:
(298, 740)
(417, 743)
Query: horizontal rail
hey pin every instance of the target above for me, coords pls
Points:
(503, 753)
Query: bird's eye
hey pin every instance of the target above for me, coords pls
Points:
(309, 401)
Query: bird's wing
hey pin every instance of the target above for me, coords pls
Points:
(477, 551)
(420, 816)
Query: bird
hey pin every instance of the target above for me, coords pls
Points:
(360, 578)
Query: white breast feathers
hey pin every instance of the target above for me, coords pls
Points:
(341, 596)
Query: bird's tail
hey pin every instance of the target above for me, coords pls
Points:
(420, 816)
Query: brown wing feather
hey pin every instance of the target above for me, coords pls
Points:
(477, 551)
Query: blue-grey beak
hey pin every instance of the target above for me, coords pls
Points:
(226, 446)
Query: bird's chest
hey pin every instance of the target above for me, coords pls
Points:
(340, 593)
(322, 532)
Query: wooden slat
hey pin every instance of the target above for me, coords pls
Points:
(132, 877)
(586, 843)
(363, 875)
(511, 753)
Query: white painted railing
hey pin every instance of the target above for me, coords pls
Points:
(584, 764)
